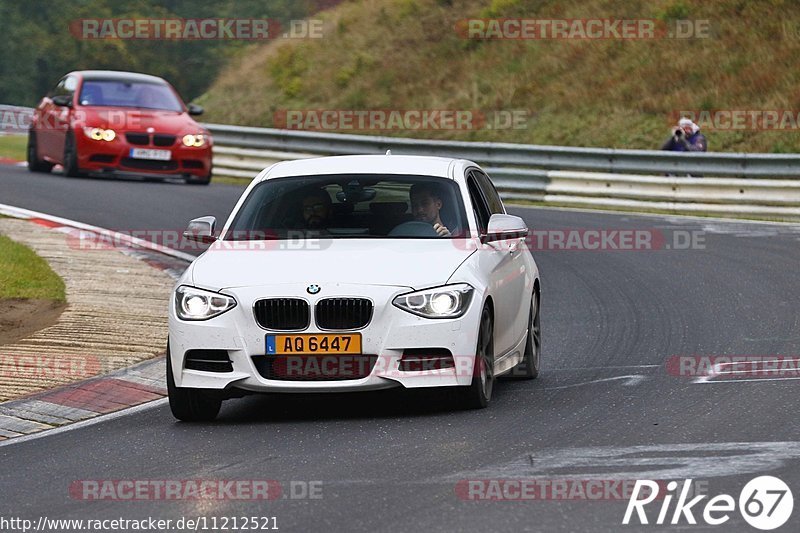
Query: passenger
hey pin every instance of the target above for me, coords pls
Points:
(316, 209)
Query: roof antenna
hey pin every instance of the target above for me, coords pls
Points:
(388, 152)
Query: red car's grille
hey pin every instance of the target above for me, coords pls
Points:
(163, 139)
(143, 139)
(138, 138)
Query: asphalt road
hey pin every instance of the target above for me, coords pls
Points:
(606, 406)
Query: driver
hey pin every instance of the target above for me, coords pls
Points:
(316, 209)
(426, 203)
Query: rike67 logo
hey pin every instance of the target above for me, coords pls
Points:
(765, 503)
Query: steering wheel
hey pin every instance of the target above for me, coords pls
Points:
(413, 228)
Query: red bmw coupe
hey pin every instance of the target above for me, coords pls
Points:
(109, 123)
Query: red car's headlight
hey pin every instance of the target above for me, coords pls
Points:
(194, 140)
(99, 134)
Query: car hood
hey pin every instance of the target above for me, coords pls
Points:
(124, 119)
(415, 263)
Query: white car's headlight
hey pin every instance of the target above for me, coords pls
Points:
(198, 304)
(450, 301)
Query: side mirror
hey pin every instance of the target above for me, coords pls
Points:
(195, 109)
(502, 227)
(63, 100)
(201, 230)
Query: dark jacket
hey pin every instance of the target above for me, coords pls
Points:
(696, 142)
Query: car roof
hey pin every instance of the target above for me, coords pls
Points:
(117, 75)
(362, 164)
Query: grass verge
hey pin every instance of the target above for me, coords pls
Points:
(620, 93)
(13, 146)
(227, 180)
(23, 274)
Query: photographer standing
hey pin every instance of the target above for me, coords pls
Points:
(686, 138)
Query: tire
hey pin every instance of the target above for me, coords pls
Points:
(190, 405)
(200, 181)
(478, 394)
(34, 163)
(70, 161)
(528, 368)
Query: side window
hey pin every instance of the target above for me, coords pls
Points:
(65, 86)
(70, 84)
(490, 193)
(482, 213)
(59, 89)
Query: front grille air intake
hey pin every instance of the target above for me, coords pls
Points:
(149, 164)
(315, 367)
(285, 314)
(343, 313)
(208, 361)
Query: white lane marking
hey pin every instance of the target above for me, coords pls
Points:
(19, 212)
(632, 379)
(753, 363)
(717, 370)
(567, 369)
(659, 461)
(85, 423)
(744, 380)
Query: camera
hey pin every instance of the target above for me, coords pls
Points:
(679, 132)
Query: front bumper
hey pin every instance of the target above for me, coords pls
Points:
(101, 158)
(390, 332)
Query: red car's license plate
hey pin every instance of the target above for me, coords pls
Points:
(149, 153)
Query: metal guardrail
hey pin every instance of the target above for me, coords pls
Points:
(753, 186)
(14, 120)
(517, 155)
(735, 184)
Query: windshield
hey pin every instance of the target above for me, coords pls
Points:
(129, 94)
(351, 206)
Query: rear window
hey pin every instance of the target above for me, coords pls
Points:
(351, 206)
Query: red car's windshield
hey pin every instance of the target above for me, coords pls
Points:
(129, 94)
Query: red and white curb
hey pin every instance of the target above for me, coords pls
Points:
(94, 398)
(84, 400)
(66, 225)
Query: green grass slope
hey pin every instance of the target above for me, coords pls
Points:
(23, 274)
(406, 54)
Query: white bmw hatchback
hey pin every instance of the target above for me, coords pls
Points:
(355, 273)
